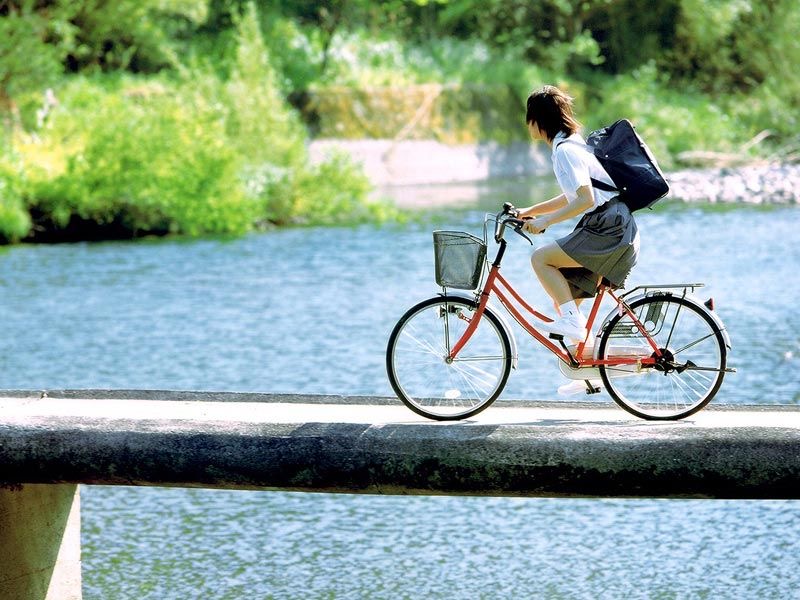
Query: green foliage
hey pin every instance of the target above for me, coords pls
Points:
(154, 161)
(550, 33)
(336, 191)
(331, 192)
(360, 59)
(206, 142)
(258, 120)
(631, 33)
(295, 52)
(736, 48)
(114, 34)
(15, 222)
(769, 41)
(272, 142)
(140, 36)
(26, 61)
(706, 48)
(194, 155)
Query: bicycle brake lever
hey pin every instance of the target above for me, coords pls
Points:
(518, 227)
(519, 231)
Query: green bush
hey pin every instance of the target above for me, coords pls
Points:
(332, 192)
(336, 191)
(193, 155)
(258, 122)
(26, 61)
(271, 140)
(15, 222)
(153, 162)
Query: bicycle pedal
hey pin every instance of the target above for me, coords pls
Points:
(592, 389)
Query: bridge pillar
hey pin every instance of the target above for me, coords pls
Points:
(40, 537)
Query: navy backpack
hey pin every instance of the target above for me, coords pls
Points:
(629, 163)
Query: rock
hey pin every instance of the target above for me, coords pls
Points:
(762, 184)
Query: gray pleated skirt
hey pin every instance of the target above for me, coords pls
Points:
(606, 242)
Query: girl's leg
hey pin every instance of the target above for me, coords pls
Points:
(546, 262)
(579, 301)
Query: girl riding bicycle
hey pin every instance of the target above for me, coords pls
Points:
(660, 353)
(605, 242)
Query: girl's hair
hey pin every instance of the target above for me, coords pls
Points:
(551, 110)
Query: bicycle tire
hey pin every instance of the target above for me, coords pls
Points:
(684, 379)
(418, 370)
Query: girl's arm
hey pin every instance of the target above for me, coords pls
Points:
(583, 202)
(543, 208)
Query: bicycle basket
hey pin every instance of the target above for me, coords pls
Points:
(459, 259)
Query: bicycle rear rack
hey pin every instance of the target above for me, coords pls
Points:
(686, 287)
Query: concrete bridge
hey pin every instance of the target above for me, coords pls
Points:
(51, 442)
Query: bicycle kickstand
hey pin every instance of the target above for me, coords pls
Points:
(591, 389)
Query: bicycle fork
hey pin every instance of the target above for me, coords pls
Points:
(471, 327)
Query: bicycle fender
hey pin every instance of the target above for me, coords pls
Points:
(499, 316)
(714, 317)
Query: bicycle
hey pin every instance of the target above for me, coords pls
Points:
(660, 353)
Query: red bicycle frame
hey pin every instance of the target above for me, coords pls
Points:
(497, 284)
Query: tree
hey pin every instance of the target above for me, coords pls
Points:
(27, 61)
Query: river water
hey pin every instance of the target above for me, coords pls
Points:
(309, 311)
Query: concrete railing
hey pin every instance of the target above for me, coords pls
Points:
(49, 443)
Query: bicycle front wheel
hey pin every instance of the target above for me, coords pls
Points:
(688, 368)
(423, 377)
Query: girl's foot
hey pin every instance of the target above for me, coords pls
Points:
(571, 325)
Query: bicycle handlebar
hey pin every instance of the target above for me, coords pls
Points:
(509, 216)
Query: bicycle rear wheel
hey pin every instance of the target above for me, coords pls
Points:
(421, 375)
(684, 378)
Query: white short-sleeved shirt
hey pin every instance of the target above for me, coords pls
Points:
(575, 166)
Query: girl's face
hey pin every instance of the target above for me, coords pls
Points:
(536, 133)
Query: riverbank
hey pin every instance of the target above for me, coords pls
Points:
(389, 163)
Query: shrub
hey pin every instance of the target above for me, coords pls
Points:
(26, 61)
(271, 140)
(258, 121)
(153, 162)
(336, 191)
(15, 222)
(123, 156)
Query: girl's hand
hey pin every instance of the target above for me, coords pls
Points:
(536, 225)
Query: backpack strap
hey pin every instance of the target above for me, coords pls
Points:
(600, 185)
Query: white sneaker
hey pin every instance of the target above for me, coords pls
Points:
(570, 325)
(578, 386)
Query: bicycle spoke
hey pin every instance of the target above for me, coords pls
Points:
(422, 343)
(471, 384)
(692, 344)
(674, 321)
(466, 369)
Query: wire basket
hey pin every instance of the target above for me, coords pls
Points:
(459, 259)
